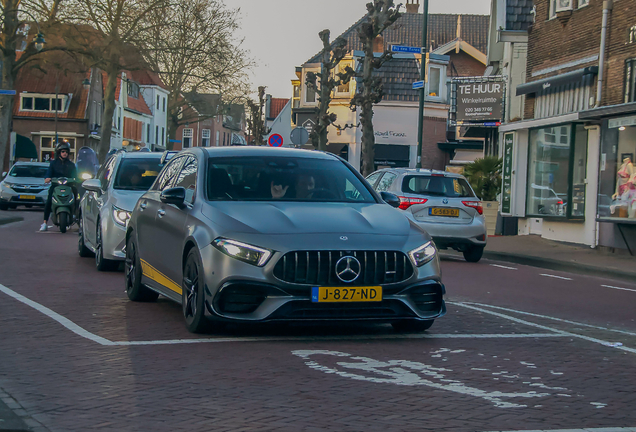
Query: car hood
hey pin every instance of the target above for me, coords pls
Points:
(23, 181)
(307, 218)
(126, 200)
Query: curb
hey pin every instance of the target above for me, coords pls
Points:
(552, 264)
(9, 421)
(10, 219)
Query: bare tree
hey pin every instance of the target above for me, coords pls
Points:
(330, 57)
(381, 15)
(255, 121)
(108, 34)
(196, 53)
(20, 31)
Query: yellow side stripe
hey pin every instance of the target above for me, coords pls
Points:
(152, 273)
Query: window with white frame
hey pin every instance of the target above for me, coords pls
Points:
(561, 6)
(435, 81)
(157, 135)
(188, 134)
(343, 89)
(218, 137)
(133, 89)
(163, 136)
(164, 104)
(30, 102)
(205, 137)
(583, 3)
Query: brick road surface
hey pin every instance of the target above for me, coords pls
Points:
(552, 375)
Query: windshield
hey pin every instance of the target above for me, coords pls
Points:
(34, 171)
(137, 174)
(450, 187)
(284, 179)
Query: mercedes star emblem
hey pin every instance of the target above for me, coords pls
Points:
(348, 269)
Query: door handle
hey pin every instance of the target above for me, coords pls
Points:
(161, 213)
(143, 206)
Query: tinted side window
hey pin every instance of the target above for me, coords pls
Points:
(169, 172)
(386, 182)
(188, 178)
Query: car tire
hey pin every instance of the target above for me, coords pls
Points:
(412, 326)
(63, 221)
(101, 263)
(193, 296)
(473, 254)
(83, 251)
(135, 290)
(4, 206)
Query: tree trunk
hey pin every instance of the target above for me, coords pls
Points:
(173, 126)
(107, 116)
(366, 115)
(7, 63)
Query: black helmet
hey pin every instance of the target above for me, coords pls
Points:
(62, 145)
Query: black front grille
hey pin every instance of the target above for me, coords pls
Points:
(25, 189)
(319, 268)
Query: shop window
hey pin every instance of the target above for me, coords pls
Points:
(617, 188)
(630, 81)
(557, 172)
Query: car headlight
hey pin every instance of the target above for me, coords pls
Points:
(5, 186)
(244, 252)
(86, 176)
(423, 254)
(120, 216)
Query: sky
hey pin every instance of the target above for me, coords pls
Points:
(283, 34)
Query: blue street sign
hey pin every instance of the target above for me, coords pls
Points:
(418, 85)
(406, 49)
(7, 92)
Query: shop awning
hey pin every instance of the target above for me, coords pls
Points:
(461, 145)
(555, 81)
(608, 111)
(25, 148)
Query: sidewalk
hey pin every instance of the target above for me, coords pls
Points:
(538, 252)
(7, 217)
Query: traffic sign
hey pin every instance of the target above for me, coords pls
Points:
(7, 92)
(275, 140)
(299, 136)
(406, 49)
(418, 85)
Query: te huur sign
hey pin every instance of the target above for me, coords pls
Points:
(479, 101)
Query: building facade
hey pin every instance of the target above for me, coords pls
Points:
(568, 160)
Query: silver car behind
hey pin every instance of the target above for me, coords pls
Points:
(24, 185)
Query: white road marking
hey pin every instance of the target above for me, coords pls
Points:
(503, 267)
(549, 317)
(557, 277)
(616, 429)
(531, 324)
(618, 288)
(407, 373)
(56, 317)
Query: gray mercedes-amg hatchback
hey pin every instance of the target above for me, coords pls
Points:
(267, 234)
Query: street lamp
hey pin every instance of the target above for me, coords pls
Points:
(39, 41)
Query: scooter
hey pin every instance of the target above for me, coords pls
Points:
(64, 203)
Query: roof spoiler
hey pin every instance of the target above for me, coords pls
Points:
(167, 155)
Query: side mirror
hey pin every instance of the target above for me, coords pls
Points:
(390, 199)
(175, 196)
(4, 174)
(92, 185)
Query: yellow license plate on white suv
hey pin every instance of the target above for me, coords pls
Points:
(346, 294)
(447, 212)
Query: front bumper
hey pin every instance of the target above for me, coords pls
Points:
(10, 196)
(236, 291)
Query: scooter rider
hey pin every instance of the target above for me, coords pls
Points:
(61, 166)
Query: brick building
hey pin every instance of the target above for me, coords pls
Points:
(570, 159)
(457, 46)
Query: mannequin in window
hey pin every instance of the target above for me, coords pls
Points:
(625, 173)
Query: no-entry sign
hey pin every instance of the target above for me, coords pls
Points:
(275, 140)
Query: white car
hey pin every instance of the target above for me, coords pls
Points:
(24, 185)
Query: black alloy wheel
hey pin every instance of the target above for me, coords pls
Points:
(101, 263)
(135, 290)
(83, 251)
(192, 297)
(473, 254)
(411, 326)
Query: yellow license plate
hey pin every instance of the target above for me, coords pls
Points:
(27, 197)
(448, 212)
(346, 294)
